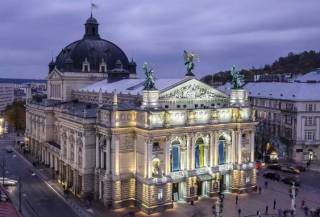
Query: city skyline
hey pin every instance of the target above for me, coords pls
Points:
(222, 34)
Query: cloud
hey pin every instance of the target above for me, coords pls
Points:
(224, 32)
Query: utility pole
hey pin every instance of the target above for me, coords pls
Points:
(20, 186)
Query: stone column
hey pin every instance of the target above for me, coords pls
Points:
(211, 149)
(192, 165)
(233, 146)
(145, 152)
(188, 152)
(116, 144)
(97, 151)
(150, 159)
(108, 152)
(252, 146)
(239, 146)
(216, 148)
(101, 158)
(167, 157)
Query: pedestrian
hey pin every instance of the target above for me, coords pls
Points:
(259, 190)
(302, 204)
(266, 184)
(274, 204)
(239, 212)
(267, 209)
(258, 214)
(237, 199)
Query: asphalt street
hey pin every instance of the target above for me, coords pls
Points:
(38, 199)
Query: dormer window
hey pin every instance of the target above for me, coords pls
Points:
(119, 64)
(86, 66)
(102, 66)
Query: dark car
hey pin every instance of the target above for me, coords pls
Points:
(289, 169)
(272, 176)
(274, 167)
(300, 168)
(290, 181)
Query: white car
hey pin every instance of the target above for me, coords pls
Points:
(8, 182)
(9, 149)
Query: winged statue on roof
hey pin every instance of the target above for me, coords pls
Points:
(149, 83)
(189, 58)
(237, 78)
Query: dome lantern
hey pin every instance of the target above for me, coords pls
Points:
(91, 28)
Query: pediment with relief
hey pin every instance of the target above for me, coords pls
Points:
(192, 89)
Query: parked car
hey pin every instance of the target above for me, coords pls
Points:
(8, 182)
(274, 166)
(300, 168)
(289, 169)
(9, 149)
(290, 181)
(272, 176)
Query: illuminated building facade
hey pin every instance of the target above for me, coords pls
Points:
(109, 137)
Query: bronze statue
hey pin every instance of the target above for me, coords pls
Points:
(189, 58)
(237, 78)
(149, 83)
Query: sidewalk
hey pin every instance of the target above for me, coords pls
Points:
(315, 166)
(45, 173)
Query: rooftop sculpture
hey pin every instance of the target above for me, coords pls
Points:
(237, 78)
(149, 83)
(189, 58)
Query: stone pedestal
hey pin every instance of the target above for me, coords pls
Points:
(150, 99)
(238, 97)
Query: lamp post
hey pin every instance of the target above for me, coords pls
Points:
(218, 208)
(293, 197)
(20, 187)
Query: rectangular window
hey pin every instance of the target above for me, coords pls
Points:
(309, 135)
(310, 107)
(309, 121)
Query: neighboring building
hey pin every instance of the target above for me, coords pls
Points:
(6, 95)
(311, 77)
(289, 114)
(103, 134)
(272, 78)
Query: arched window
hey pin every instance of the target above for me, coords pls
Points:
(199, 149)
(175, 156)
(222, 151)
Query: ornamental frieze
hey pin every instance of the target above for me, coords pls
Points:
(192, 91)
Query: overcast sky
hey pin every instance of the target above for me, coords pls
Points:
(242, 32)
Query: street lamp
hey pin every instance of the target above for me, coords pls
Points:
(293, 194)
(218, 208)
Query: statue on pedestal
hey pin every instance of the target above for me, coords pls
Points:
(149, 83)
(189, 58)
(237, 78)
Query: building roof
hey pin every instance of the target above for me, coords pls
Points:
(93, 49)
(129, 86)
(226, 88)
(283, 90)
(313, 76)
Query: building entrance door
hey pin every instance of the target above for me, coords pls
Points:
(225, 183)
(205, 188)
(175, 191)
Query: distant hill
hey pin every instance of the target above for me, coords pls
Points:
(20, 81)
(292, 64)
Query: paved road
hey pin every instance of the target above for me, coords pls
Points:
(38, 199)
